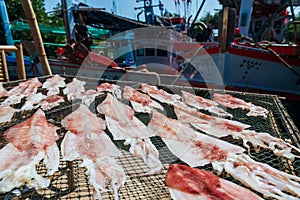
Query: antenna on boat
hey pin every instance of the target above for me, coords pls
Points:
(197, 14)
(148, 10)
(114, 7)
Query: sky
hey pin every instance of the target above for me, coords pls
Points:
(126, 7)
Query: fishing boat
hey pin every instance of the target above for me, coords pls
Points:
(178, 56)
(247, 62)
(256, 60)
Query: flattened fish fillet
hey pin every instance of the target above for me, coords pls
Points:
(6, 113)
(123, 124)
(139, 101)
(121, 121)
(261, 177)
(160, 94)
(30, 142)
(190, 146)
(51, 102)
(87, 140)
(204, 104)
(229, 101)
(3, 92)
(53, 84)
(24, 89)
(191, 183)
(18, 168)
(74, 89)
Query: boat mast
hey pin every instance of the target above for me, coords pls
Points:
(196, 17)
(114, 8)
(149, 15)
(148, 10)
(35, 31)
(68, 18)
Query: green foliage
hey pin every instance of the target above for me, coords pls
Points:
(210, 19)
(16, 12)
(290, 30)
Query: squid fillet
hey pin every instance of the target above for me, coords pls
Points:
(18, 168)
(144, 149)
(261, 177)
(187, 183)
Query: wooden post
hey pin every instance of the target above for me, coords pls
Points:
(19, 59)
(224, 30)
(36, 36)
(4, 67)
(20, 62)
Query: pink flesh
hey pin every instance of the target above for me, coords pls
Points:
(83, 121)
(160, 95)
(54, 82)
(197, 101)
(6, 113)
(191, 146)
(89, 96)
(203, 183)
(51, 102)
(86, 136)
(204, 104)
(87, 140)
(229, 101)
(34, 134)
(26, 88)
(107, 87)
(3, 92)
(16, 158)
(88, 145)
(136, 96)
(121, 120)
(74, 89)
(190, 114)
(263, 178)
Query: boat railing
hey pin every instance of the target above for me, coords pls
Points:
(17, 48)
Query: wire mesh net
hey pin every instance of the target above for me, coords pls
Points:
(71, 182)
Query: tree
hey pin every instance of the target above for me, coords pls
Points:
(16, 12)
(290, 30)
(211, 20)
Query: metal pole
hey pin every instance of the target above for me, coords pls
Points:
(5, 23)
(198, 12)
(35, 31)
(66, 19)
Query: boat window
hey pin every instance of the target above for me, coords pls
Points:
(160, 51)
(257, 25)
(277, 27)
(140, 52)
(244, 19)
(124, 43)
(150, 52)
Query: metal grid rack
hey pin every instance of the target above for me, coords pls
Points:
(70, 182)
